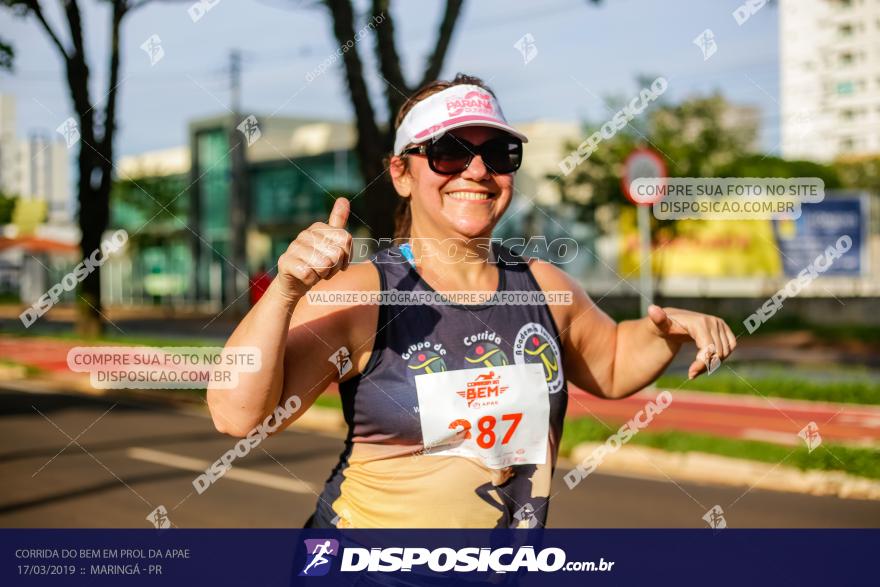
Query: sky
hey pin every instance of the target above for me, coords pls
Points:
(584, 54)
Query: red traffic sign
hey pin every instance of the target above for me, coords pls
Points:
(644, 163)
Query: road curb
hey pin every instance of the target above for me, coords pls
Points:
(708, 468)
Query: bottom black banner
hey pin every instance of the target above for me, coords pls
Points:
(268, 558)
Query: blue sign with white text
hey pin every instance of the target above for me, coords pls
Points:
(836, 223)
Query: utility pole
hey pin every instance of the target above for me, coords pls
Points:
(237, 281)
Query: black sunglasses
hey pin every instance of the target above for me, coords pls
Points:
(450, 155)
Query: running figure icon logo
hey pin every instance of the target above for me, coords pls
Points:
(319, 552)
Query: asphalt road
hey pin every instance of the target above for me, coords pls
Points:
(70, 461)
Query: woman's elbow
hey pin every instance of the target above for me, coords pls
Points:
(225, 422)
(230, 428)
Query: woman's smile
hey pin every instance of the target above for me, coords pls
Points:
(471, 196)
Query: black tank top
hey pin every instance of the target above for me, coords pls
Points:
(383, 479)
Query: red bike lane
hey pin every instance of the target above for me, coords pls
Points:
(729, 415)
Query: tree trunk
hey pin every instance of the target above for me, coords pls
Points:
(373, 144)
(380, 195)
(94, 197)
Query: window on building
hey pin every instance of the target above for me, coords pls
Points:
(846, 58)
(845, 30)
(213, 185)
(844, 88)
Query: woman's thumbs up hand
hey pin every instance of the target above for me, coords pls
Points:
(317, 253)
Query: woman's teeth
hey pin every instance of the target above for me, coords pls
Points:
(468, 196)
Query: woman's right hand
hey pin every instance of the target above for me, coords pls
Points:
(317, 253)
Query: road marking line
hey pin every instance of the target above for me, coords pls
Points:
(237, 473)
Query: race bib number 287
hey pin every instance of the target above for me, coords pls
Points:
(500, 415)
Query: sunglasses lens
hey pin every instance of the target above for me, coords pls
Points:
(448, 155)
(502, 155)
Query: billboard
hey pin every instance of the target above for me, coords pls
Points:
(820, 225)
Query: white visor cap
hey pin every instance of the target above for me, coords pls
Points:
(454, 107)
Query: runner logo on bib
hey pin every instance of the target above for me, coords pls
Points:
(493, 414)
(483, 390)
(533, 344)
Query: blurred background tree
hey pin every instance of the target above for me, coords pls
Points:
(859, 172)
(7, 205)
(701, 136)
(94, 125)
(694, 137)
(7, 56)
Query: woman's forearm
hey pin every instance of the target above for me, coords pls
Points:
(640, 356)
(317, 253)
(264, 330)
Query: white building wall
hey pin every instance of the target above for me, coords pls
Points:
(830, 77)
(36, 167)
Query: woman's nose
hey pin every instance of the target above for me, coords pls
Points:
(476, 170)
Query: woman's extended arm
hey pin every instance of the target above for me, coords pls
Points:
(317, 255)
(614, 360)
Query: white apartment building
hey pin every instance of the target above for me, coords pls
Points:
(36, 167)
(830, 78)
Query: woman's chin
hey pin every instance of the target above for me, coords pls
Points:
(470, 227)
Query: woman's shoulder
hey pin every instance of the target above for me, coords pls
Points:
(550, 277)
(570, 304)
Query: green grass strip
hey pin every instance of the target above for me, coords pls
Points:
(863, 462)
(861, 390)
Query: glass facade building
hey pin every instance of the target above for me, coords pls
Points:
(183, 253)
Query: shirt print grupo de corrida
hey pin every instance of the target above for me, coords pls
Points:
(386, 476)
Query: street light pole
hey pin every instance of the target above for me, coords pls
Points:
(237, 282)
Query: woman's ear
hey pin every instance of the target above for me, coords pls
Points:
(400, 176)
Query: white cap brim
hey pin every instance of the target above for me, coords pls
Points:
(470, 106)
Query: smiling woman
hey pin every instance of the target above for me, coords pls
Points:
(451, 154)
(454, 410)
